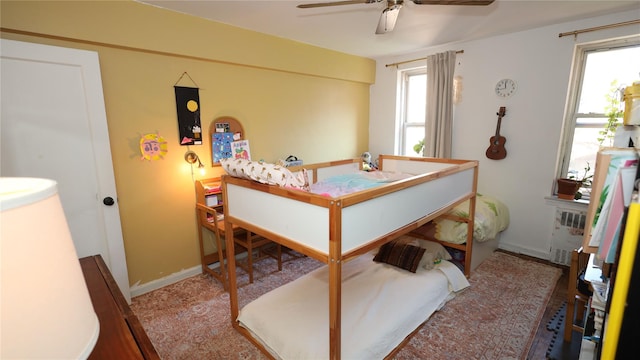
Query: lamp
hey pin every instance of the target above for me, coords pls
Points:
(46, 307)
(191, 157)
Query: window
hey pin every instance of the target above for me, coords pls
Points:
(412, 110)
(600, 73)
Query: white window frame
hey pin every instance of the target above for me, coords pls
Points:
(401, 117)
(571, 110)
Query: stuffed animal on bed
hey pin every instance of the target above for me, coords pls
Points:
(367, 164)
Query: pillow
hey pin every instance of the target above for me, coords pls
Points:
(431, 247)
(434, 252)
(266, 173)
(427, 262)
(438, 251)
(401, 255)
(236, 167)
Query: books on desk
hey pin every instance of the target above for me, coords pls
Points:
(616, 169)
(212, 188)
(212, 200)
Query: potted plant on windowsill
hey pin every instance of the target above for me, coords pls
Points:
(419, 147)
(569, 188)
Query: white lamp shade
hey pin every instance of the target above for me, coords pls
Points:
(46, 308)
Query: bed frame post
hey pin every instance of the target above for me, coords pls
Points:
(231, 261)
(335, 280)
(471, 224)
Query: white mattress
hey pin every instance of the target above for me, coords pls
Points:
(381, 305)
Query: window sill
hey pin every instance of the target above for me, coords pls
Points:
(581, 205)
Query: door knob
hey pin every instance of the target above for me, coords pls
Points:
(108, 201)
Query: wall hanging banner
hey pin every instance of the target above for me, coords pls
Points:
(188, 106)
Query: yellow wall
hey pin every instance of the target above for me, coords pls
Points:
(290, 97)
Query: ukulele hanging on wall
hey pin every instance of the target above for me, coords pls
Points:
(496, 150)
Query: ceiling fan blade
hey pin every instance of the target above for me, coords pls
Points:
(335, 3)
(453, 2)
(388, 19)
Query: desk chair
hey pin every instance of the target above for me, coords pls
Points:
(208, 218)
(251, 242)
(211, 219)
(578, 294)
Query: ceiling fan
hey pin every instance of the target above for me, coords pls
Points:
(389, 15)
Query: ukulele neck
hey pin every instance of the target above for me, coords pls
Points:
(500, 114)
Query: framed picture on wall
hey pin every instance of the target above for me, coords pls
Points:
(223, 132)
(223, 127)
(221, 146)
(240, 149)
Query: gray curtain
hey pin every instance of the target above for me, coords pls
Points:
(439, 114)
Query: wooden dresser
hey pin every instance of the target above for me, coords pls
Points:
(121, 334)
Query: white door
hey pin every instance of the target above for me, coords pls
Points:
(54, 126)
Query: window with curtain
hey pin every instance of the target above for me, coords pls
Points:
(601, 71)
(412, 107)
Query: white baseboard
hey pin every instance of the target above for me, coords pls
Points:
(137, 290)
(525, 251)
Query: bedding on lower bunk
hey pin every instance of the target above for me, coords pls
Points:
(491, 217)
(381, 305)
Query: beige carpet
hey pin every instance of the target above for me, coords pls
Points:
(496, 318)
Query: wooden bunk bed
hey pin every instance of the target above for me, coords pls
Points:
(335, 230)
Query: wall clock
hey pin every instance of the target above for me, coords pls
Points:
(505, 88)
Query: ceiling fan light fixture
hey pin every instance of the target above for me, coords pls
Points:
(389, 15)
(453, 2)
(388, 19)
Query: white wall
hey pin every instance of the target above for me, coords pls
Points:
(540, 62)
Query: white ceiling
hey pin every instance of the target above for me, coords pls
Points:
(351, 28)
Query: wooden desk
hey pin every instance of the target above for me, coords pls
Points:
(121, 334)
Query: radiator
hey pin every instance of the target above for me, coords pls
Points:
(567, 234)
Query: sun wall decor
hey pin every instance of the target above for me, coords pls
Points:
(153, 147)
